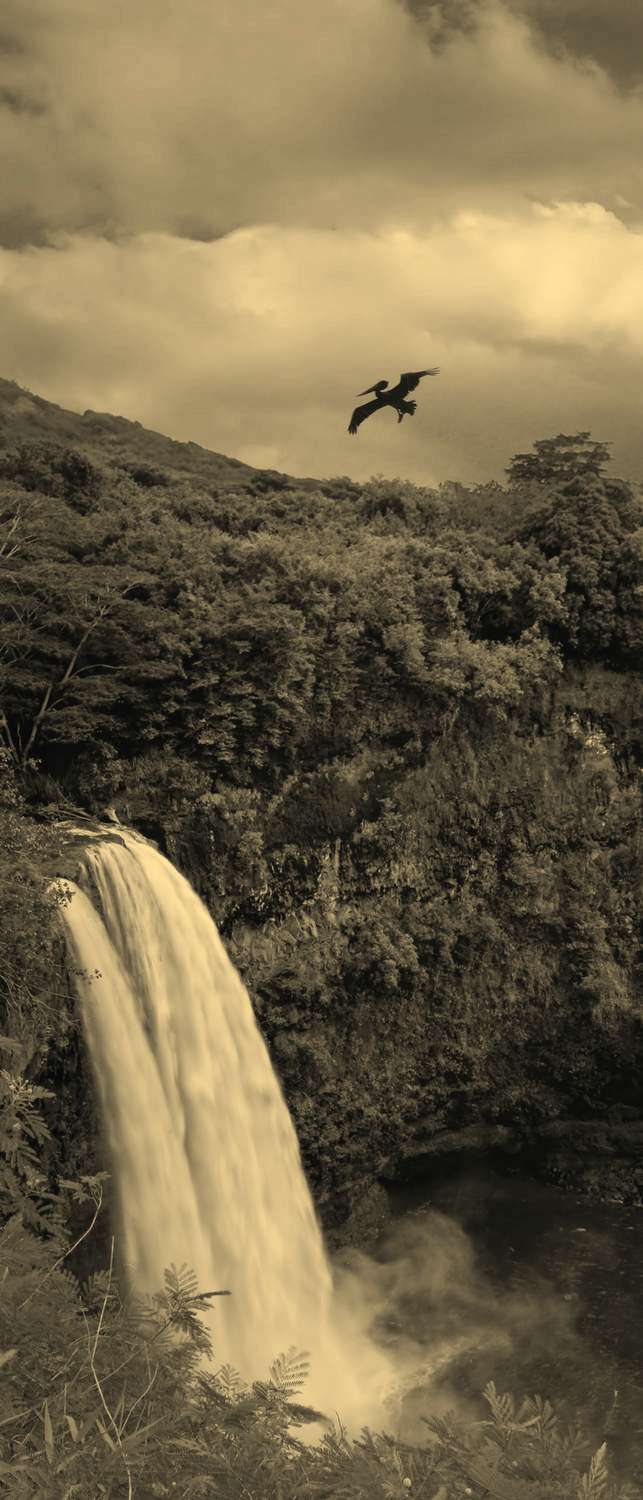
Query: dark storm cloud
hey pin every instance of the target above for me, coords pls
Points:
(20, 103)
(225, 219)
(607, 32)
(444, 19)
(196, 119)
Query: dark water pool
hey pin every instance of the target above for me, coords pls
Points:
(550, 1288)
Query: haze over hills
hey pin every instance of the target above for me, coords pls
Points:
(26, 417)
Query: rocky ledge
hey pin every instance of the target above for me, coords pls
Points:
(600, 1159)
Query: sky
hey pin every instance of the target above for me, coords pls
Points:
(224, 218)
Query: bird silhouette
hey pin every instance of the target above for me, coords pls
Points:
(396, 398)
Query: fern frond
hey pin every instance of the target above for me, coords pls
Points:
(178, 1305)
(229, 1382)
(300, 1416)
(290, 1371)
(366, 1442)
(181, 1282)
(570, 1442)
(98, 1288)
(502, 1486)
(443, 1427)
(86, 1188)
(19, 1249)
(545, 1413)
(503, 1407)
(594, 1484)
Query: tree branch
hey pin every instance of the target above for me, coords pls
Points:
(52, 687)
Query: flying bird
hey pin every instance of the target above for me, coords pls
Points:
(396, 398)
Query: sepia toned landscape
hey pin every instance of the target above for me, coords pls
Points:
(321, 1022)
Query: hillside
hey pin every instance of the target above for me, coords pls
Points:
(123, 445)
(391, 734)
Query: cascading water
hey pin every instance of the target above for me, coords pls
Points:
(205, 1156)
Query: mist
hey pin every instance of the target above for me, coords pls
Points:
(424, 1301)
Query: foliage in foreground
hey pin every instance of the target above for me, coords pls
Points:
(103, 1393)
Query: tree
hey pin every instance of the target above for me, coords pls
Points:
(590, 530)
(558, 460)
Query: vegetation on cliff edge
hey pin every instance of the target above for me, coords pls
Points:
(390, 733)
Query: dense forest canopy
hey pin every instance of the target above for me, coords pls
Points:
(256, 633)
(438, 687)
(392, 735)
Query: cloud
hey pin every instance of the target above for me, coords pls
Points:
(255, 345)
(587, 30)
(611, 35)
(224, 221)
(200, 118)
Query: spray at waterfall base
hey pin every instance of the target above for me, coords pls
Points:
(207, 1167)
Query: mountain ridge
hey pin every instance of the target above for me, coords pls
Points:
(27, 417)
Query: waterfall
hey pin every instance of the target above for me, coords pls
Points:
(204, 1153)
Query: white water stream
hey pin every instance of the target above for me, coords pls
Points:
(203, 1150)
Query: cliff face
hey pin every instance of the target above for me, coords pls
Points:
(408, 1022)
(458, 974)
(401, 1041)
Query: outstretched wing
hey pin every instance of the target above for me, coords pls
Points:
(380, 385)
(361, 413)
(409, 381)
